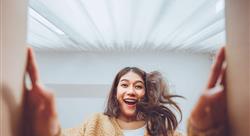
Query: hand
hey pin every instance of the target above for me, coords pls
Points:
(40, 116)
(210, 110)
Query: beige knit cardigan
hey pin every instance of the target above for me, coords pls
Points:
(99, 125)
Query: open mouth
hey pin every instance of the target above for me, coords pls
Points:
(129, 101)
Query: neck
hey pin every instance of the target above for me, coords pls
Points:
(129, 122)
(127, 119)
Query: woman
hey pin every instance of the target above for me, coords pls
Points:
(135, 107)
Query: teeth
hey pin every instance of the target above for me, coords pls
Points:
(130, 100)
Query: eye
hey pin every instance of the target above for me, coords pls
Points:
(138, 87)
(124, 85)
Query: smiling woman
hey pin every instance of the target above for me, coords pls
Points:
(137, 104)
(137, 100)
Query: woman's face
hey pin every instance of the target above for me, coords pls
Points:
(130, 90)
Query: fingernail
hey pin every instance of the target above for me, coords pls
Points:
(215, 90)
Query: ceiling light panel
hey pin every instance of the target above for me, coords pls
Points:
(128, 25)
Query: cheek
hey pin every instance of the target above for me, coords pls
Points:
(141, 93)
(119, 93)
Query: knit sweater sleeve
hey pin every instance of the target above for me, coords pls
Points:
(76, 131)
(96, 125)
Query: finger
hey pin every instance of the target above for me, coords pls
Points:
(216, 68)
(50, 101)
(51, 105)
(221, 78)
(42, 101)
(223, 74)
(32, 67)
(41, 92)
(47, 97)
(213, 91)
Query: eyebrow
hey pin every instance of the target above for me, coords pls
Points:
(135, 81)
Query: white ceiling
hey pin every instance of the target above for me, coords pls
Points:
(126, 25)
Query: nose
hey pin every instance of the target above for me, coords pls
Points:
(131, 90)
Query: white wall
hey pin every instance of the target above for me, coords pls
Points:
(81, 81)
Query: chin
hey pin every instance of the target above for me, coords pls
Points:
(130, 114)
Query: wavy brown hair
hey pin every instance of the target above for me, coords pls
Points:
(154, 108)
(157, 106)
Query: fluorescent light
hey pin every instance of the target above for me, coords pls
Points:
(220, 5)
(44, 21)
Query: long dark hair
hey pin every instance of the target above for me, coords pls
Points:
(154, 107)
